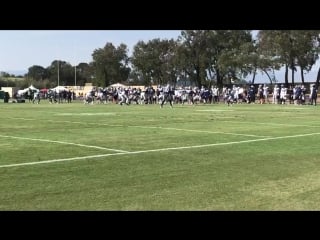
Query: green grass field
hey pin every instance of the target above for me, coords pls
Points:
(141, 157)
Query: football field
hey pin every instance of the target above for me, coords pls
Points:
(140, 157)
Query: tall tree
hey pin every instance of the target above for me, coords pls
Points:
(215, 55)
(60, 73)
(53, 72)
(307, 49)
(230, 54)
(269, 58)
(110, 64)
(193, 55)
(85, 73)
(66, 74)
(37, 72)
(154, 61)
(291, 48)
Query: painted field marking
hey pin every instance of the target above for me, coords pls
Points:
(214, 110)
(64, 121)
(155, 150)
(84, 114)
(149, 127)
(5, 144)
(66, 143)
(272, 124)
(202, 131)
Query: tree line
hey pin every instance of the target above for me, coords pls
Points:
(196, 57)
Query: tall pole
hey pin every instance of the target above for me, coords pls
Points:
(75, 75)
(75, 66)
(58, 74)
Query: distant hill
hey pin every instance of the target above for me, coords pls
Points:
(17, 72)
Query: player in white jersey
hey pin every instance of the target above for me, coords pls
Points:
(168, 95)
(265, 93)
(283, 94)
(276, 94)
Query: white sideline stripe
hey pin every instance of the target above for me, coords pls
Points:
(202, 131)
(67, 143)
(150, 127)
(272, 124)
(84, 114)
(214, 110)
(155, 150)
(60, 121)
(5, 144)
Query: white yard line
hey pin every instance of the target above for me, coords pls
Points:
(85, 114)
(272, 124)
(66, 143)
(214, 110)
(5, 144)
(152, 127)
(202, 131)
(64, 121)
(156, 150)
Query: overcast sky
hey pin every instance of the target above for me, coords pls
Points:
(20, 50)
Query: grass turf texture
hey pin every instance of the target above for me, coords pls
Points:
(133, 157)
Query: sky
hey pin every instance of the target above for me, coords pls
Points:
(21, 49)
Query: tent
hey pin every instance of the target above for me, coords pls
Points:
(22, 92)
(59, 89)
(44, 90)
(116, 85)
(32, 88)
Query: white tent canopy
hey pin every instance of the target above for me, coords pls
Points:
(31, 87)
(116, 85)
(59, 89)
(24, 91)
